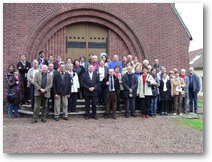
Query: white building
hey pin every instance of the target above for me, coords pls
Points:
(196, 61)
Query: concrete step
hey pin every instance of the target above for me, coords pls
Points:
(28, 112)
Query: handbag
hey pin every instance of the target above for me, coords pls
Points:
(155, 91)
(149, 84)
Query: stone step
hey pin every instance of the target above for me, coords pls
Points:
(77, 106)
(27, 112)
(79, 102)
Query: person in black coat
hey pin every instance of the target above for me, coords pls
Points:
(23, 67)
(112, 89)
(90, 83)
(42, 60)
(165, 94)
(13, 95)
(62, 91)
(130, 84)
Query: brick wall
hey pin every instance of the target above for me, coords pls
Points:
(116, 45)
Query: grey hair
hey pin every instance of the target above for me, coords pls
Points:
(183, 70)
(35, 62)
(146, 61)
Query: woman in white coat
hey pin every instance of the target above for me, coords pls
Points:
(144, 91)
(72, 101)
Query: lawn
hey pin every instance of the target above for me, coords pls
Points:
(192, 123)
(200, 103)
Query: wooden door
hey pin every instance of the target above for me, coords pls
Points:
(83, 39)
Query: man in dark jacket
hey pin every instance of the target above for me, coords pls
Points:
(193, 88)
(130, 84)
(23, 66)
(62, 90)
(90, 83)
(112, 88)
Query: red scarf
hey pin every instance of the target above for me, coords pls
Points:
(183, 77)
(144, 79)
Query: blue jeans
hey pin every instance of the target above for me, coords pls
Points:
(193, 100)
(130, 105)
(12, 107)
(153, 107)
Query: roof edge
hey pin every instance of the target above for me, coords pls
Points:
(181, 20)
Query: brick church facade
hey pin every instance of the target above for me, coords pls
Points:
(148, 31)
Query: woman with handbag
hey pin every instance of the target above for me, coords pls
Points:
(177, 85)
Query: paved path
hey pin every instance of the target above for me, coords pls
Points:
(132, 135)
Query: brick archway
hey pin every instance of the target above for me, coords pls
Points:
(51, 23)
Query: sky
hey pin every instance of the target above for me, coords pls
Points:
(192, 15)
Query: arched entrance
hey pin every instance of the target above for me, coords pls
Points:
(54, 25)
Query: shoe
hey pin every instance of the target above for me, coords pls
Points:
(114, 117)
(143, 116)
(56, 119)
(27, 102)
(146, 116)
(66, 118)
(162, 113)
(106, 117)
(17, 116)
(174, 114)
(133, 115)
(165, 113)
(34, 121)
(43, 120)
(95, 117)
(180, 114)
(127, 115)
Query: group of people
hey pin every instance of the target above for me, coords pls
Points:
(105, 81)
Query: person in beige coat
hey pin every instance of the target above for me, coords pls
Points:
(144, 91)
(30, 78)
(43, 84)
(177, 86)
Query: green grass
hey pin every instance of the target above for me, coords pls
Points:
(200, 103)
(192, 123)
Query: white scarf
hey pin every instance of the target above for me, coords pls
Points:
(164, 84)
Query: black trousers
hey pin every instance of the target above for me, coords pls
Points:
(137, 103)
(32, 98)
(25, 91)
(145, 105)
(118, 100)
(87, 105)
(52, 101)
(102, 96)
(165, 106)
(72, 102)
